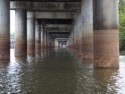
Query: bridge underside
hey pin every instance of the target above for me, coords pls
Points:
(89, 28)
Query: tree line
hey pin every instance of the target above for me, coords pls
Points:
(122, 24)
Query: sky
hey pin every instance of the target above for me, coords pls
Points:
(12, 21)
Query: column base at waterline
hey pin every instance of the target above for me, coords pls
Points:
(106, 49)
(31, 48)
(87, 47)
(20, 54)
(4, 49)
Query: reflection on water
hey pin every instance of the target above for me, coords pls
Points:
(59, 73)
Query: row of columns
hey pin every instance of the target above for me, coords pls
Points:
(95, 35)
(30, 36)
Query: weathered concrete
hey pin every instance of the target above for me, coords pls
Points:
(47, 41)
(51, 43)
(46, 6)
(87, 29)
(4, 29)
(106, 36)
(78, 34)
(20, 33)
(42, 39)
(55, 15)
(30, 34)
(37, 39)
(59, 28)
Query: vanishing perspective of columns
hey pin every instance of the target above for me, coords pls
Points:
(106, 34)
(30, 34)
(4, 29)
(21, 33)
(89, 27)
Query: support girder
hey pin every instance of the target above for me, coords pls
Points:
(59, 28)
(55, 15)
(46, 6)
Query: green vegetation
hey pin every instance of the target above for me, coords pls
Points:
(122, 24)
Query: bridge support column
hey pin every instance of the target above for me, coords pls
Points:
(78, 38)
(21, 34)
(37, 40)
(4, 29)
(42, 41)
(30, 34)
(87, 29)
(48, 42)
(45, 40)
(106, 36)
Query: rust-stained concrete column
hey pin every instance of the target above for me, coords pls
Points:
(4, 29)
(48, 41)
(30, 34)
(106, 35)
(20, 33)
(37, 39)
(42, 41)
(87, 29)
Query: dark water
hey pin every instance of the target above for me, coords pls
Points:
(59, 73)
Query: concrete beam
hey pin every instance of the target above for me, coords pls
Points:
(56, 21)
(59, 35)
(59, 25)
(46, 6)
(59, 28)
(55, 15)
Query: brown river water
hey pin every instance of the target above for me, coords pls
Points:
(59, 72)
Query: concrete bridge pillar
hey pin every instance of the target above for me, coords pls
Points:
(48, 41)
(37, 39)
(4, 29)
(106, 36)
(87, 29)
(45, 39)
(52, 42)
(42, 41)
(79, 35)
(30, 34)
(20, 33)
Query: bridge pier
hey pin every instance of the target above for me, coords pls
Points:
(42, 41)
(4, 29)
(37, 39)
(78, 35)
(87, 29)
(106, 36)
(20, 33)
(30, 34)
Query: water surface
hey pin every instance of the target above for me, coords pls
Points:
(59, 72)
